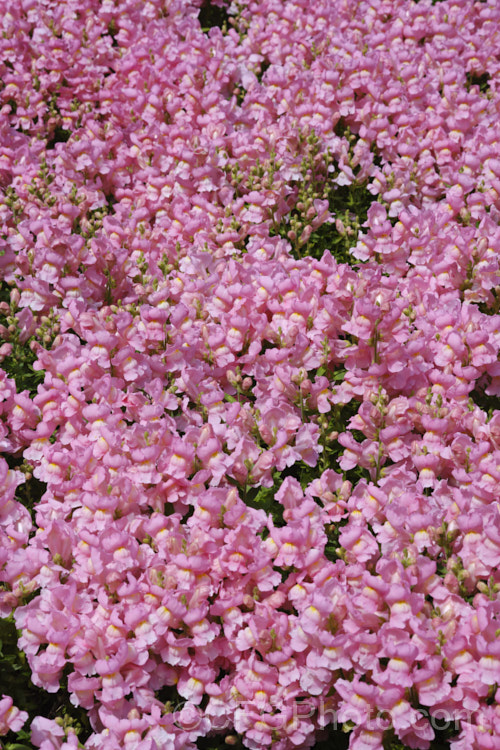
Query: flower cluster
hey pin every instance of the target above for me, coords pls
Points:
(250, 253)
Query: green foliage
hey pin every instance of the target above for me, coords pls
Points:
(488, 404)
(212, 16)
(342, 204)
(264, 65)
(171, 699)
(391, 742)
(348, 204)
(13, 202)
(478, 79)
(333, 550)
(19, 363)
(220, 742)
(88, 226)
(307, 232)
(19, 366)
(113, 31)
(331, 425)
(30, 492)
(60, 135)
(493, 309)
(332, 738)
(39, 188)
(16, 682)
(13, 666)
(264, 498)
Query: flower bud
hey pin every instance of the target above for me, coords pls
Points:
(233, 377)
(15, 297)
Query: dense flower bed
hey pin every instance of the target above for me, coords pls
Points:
(249, 305)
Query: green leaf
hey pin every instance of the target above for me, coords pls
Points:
(339, 375)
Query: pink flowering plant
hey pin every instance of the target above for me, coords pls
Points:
(249, 374)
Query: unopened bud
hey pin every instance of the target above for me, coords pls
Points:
(305, 235)
(305, 386)
(233, 377)
(15, 297)
(248, 601)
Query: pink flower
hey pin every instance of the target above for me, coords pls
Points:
(370, 736)
(432, 683)
(399, 668)
(83, 689)
(256, 681)
(359, 542)
(192, 683)
(46, 733)
(359, 700)
(11, 718)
